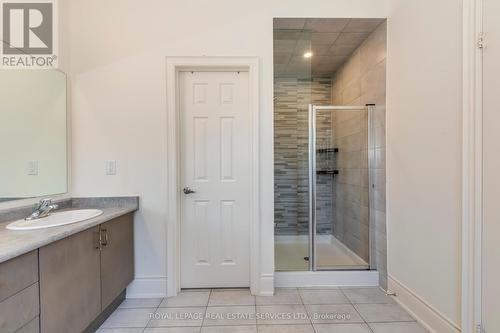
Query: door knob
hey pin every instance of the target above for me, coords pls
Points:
(187, 190)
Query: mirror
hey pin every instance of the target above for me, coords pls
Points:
(33, 137)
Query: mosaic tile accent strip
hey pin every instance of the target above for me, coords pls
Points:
(291, 152)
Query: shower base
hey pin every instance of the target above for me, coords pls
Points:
(331, 254)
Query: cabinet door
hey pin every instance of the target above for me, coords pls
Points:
(117, 257)
(19, 302)
(18, 273)
(19, 309)
(70, 289)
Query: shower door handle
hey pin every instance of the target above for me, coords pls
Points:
(187, 190)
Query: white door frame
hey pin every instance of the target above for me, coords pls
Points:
(472, 166)
(174, 66)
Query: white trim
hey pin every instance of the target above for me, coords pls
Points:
(471, 166)
(174, 65)
(148, 287)
(266, 285)
(339, 107)
(327, 279)
(433, 320)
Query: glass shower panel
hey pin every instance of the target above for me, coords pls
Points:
(341, 191)
(292, 96)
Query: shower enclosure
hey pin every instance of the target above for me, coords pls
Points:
(339, 191)
(329, 151)
(335, 235)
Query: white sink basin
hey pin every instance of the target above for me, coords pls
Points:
(55, 219)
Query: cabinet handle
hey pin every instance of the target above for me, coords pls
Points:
(105, 243)
(99, 241)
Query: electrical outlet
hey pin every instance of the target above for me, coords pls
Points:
(33, 168)
(111, 167)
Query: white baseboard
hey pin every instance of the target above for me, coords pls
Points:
(266, 286)
(156, 286)
(433, 320)
(327, 279)
(148, 287)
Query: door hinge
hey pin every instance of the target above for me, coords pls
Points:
(480, 40)
(480, 328)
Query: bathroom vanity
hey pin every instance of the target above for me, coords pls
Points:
(67, 278)
(65, 265)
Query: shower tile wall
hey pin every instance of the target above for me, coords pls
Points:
(351, 205)
(291, 135)
(361, 80)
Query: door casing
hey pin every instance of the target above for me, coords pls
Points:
(472, 166)
(174, 66)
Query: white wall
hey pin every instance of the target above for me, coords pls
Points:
(118, 50)
(424, 152)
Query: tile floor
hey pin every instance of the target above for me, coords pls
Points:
(290, 310)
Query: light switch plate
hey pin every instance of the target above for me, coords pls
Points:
(111, 167)
(33, 168)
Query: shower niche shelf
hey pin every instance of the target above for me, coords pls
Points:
(327, 172)
(327, 150)
(326, 162)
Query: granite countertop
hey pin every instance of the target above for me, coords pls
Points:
(14, 243)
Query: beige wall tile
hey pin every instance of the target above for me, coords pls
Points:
(349, 176)
(341, 116)
(352, 68)
(373, 50)
(348, 127)
(373, 85)
(362, 80)
(348, 160)
(350, 143)
(351, 92)
(350, 193)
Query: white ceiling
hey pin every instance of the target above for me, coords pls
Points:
(331, 40)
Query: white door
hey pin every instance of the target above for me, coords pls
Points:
(491, 168)
(215, 154)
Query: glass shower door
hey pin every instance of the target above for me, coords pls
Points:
(339, 187)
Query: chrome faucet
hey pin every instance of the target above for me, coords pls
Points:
(42, 209)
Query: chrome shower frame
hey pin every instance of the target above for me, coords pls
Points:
(313, 109)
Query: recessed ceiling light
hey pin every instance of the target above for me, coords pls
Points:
(308, 55)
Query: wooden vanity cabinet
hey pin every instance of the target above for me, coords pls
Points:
(117, 258)
(80, 276)
(70, 283)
